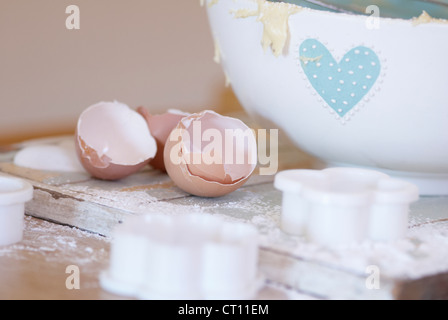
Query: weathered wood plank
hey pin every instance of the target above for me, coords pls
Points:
(408, 268)
(36, 267)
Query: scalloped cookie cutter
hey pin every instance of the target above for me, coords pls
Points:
(341, 206)
(194, 256)
(14, 193)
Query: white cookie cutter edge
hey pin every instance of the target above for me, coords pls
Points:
(131, 274)
(340, 206)
(14, 193)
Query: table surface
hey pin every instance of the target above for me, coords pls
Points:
(71, 219)
(39, 267)
(55, 240)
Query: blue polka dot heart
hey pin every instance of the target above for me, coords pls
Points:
(341, 84)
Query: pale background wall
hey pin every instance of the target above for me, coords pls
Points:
(140, 52)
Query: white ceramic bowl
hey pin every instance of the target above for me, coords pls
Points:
(344, 92)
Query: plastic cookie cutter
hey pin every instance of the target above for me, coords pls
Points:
(194, 256)
(340, 206)
(14, 193)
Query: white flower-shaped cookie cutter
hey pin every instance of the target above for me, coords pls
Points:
(196, 256)
(14, 193)
(340, 206)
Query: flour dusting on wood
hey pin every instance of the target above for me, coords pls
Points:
(57, 243)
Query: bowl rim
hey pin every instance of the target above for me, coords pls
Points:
(413, 21)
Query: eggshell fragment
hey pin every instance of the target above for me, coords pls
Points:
(210, 155)
(161, 126)
(113, 141)
(56, 157)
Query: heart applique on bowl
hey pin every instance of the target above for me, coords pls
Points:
(341, 84)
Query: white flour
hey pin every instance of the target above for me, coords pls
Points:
(424, 252)
(135, 201)
(57, 243)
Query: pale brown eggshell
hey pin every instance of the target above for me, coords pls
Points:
(113, 141)
(161, 126)
(207, 180)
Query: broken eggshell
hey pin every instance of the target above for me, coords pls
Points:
(113, 141)
(161, 126)
(210, 155)
(57, 156)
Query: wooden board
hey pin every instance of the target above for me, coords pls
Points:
(406, 269)
(41, 266)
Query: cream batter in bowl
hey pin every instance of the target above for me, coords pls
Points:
(351, 89)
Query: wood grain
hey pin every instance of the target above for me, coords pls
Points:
(97, 206)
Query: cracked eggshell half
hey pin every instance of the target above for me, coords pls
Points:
(210, 155)
(161, 126)
(113, 141)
